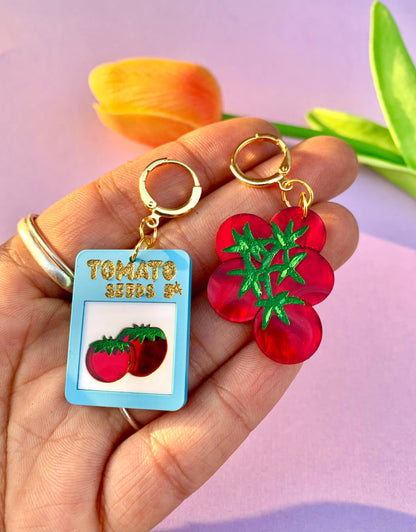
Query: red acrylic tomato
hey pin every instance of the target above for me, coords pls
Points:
(149, 348)
(312, 280)
(229, 303)
(314, 237)
(293, 342)
(237, 224)
(108, 360)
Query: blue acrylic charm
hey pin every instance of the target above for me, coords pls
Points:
(129, 337)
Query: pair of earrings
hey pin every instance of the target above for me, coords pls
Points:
(129, 337)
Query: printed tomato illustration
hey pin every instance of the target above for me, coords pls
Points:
(108, 360)
(149, 347)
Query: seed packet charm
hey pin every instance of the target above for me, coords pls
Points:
(129, 335)
(273, 273)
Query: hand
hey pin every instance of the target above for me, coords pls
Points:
(69, 467)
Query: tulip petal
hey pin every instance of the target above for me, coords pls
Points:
(155, 100)
(145, 128)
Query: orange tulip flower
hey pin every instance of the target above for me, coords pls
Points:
(154, 101)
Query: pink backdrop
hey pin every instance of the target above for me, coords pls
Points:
(338, 453)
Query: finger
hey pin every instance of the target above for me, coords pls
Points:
(342, 233)
(106, 212)
(174, 455)
(329, 166)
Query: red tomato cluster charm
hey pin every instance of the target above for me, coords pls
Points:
(273, 274)
(138, 350)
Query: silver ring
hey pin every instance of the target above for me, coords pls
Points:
(47, 259)
(57, 270)
(128, 417)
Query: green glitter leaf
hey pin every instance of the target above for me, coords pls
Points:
(288, 268)
(276, 304)
(246, 244)
(394, 76)
(141, 332)
(109, 345)
(251, 280)
(286, 240)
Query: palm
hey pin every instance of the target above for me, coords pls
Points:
(68, 466)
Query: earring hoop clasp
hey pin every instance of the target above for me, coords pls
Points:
(151, 204)
(151, 221)
(282, 171)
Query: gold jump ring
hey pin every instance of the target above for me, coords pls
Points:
(304, 202)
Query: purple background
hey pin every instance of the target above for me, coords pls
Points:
(338, 452)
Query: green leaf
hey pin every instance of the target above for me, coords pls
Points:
(246, 244)
(401, 176)
(278, 310)
(110, 345)
(297, 259)
(386, 163)
(250, 280)
(286, 240)
(374, 139)
(297, 132)
(140, 333)
(275, 304)
(299, 232)
(267, 314)
(288, 268)
(395, 80)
